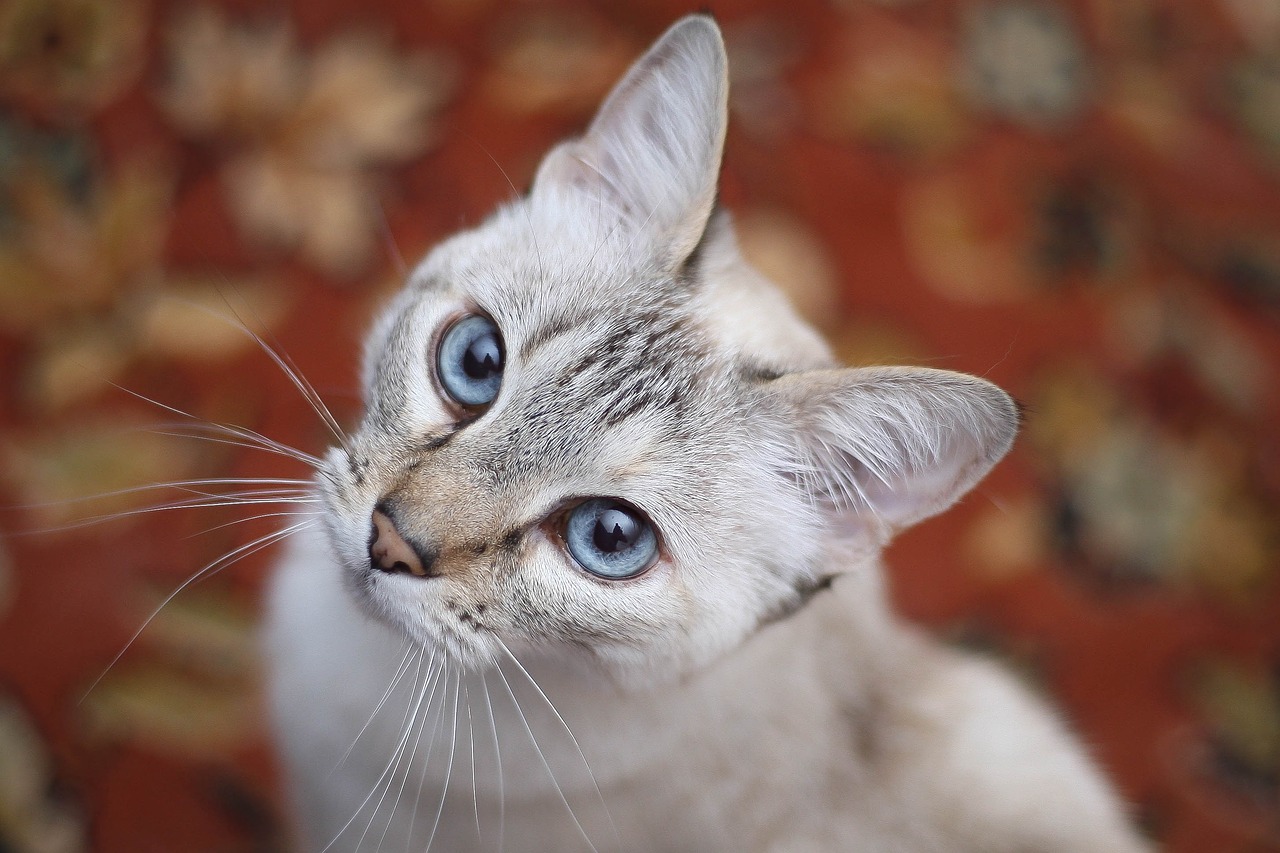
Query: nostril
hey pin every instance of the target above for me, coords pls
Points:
(389, 552)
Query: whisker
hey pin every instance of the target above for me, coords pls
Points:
(295, 376)
(217, 565)
(569, 732)
(546, 766)
(257, 439)
(448, 773)
(187, 503)
(171, 484)
(252, 438)
(243, 432)
(259, 517)
(408, 765)
(515, 193)
(386, 694)
(471, 739)
(389, 241)
(613, 271)
(409, 723)
(264, 446)
(426, 764)
(411, 706)
(608, 238)
(497, 752)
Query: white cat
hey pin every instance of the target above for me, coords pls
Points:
(604, 467)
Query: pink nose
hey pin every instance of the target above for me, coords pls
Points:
(389, 552)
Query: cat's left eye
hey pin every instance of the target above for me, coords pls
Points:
(610, 539)
(469, 361)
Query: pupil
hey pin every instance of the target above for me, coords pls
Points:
(483, 357)
(616, 530)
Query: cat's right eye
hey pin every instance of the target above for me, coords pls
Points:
(469, 361)
(610, 539)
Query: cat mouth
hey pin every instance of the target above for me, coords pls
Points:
(399, 601)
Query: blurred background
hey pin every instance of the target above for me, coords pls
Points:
(1076, 199)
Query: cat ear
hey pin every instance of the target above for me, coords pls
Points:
(652, 154)
(895, 445)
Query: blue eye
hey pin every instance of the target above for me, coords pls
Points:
(469, 361)
(610, 539)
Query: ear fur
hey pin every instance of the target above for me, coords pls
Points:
(895, 445)
(652, 154)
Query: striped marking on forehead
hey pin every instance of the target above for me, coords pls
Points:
(641, 374)
(650, 360)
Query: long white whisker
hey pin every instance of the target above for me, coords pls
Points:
(497, 752)
(448, 773)
(410, 708)
(171, 484)
(295, 376)
(243, 432)
(389, 239)
(471, 740)
(386, 694)
(306, 493)
(249, 444)
(308, 392)
(209, 568)
(569, 732)
(533, 234)
(546, 766)
(189, 503)
(409, 722)
(194, 427)
(635, 236)
(258, 517)
(604, 242)
(408, 765)
(202, 496)
(426, 763)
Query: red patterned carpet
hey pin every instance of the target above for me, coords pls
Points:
(1078, 200)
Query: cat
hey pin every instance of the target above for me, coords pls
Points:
(599, 569)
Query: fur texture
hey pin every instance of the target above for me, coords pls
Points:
(722, 699)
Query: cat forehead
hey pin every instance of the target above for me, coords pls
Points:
(553, 254)
(562, 288)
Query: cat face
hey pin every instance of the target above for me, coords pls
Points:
(592, 431)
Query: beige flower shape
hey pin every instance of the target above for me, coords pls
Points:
(29, 818)
(84, 284)
(71, 257)
(553, 61)
(306, 134)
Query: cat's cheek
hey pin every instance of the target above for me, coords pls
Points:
(564, 603)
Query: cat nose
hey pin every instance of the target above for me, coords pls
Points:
(389, 551)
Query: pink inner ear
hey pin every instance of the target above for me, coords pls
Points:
(898, 444)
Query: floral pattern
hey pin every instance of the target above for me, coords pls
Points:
(307, 132)
(1074, 198)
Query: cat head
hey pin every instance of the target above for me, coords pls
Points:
(593, 431)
